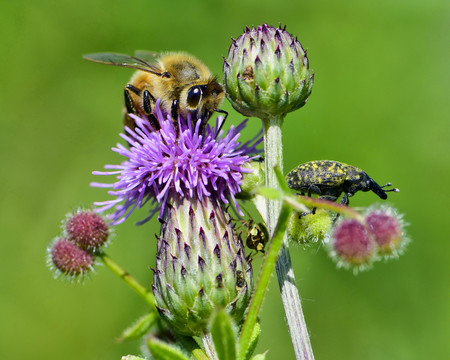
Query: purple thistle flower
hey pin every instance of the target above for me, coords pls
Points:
(180, 158)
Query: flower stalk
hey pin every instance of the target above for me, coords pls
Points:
(267, 269)
(137, 287)
(267, 75)
(273, 156)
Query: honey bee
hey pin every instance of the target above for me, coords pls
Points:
(183, 83)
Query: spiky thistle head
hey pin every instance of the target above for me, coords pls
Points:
(267, 73)
(180, 159)
(200, 266)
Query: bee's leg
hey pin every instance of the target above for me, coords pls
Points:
(129, 104)
(134, 89)
(223, 121)
(174, 110)
(130, 108)
(147, 100)
(146, 96)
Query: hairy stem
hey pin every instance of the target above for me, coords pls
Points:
(209, 346)
(273, 156)
(263, 281)
(191, 345)
(140, 289)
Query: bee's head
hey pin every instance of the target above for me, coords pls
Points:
(203, 99)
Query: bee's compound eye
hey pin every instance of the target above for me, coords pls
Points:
(194, 96)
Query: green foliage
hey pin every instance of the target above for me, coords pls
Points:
(269, 193)
(224, 336)
(139, 328)
(253, 341)
(259, 357)
(163, 351)
(373, 104)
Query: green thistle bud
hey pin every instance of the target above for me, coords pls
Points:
(310, 228)
(251, 180)
(200, 266)
(267, 73)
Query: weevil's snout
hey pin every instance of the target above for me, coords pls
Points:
(380, 191)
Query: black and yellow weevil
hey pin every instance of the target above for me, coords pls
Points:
(329, 179)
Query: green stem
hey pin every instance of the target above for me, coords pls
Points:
(191, 345)
(129, 280)
(188, 342)
(273, 156)
(298, 200)
(264, 277)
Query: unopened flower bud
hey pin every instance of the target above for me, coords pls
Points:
(309, 228)
(266, 73)
(200, 266)
(69, 259)
(87, 230)
(351, 245)
(251, 180)
(386, 228)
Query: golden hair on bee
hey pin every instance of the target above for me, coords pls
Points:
(183, 83)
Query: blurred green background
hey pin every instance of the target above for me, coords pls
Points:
(380, 101)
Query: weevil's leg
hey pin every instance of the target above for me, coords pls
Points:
(344, 200)
(328, 197)
(305, 212)
(314, 189)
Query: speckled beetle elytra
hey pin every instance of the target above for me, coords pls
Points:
(329, 179)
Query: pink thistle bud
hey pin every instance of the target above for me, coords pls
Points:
(69, 259)
(87, 230)
(351, 245)
(385, 227)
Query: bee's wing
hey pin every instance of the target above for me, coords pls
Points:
(124, 60)
(148, 56)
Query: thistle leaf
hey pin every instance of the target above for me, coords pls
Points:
(253, 342)
(224, 336)
(163, 351)
(139, 328)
